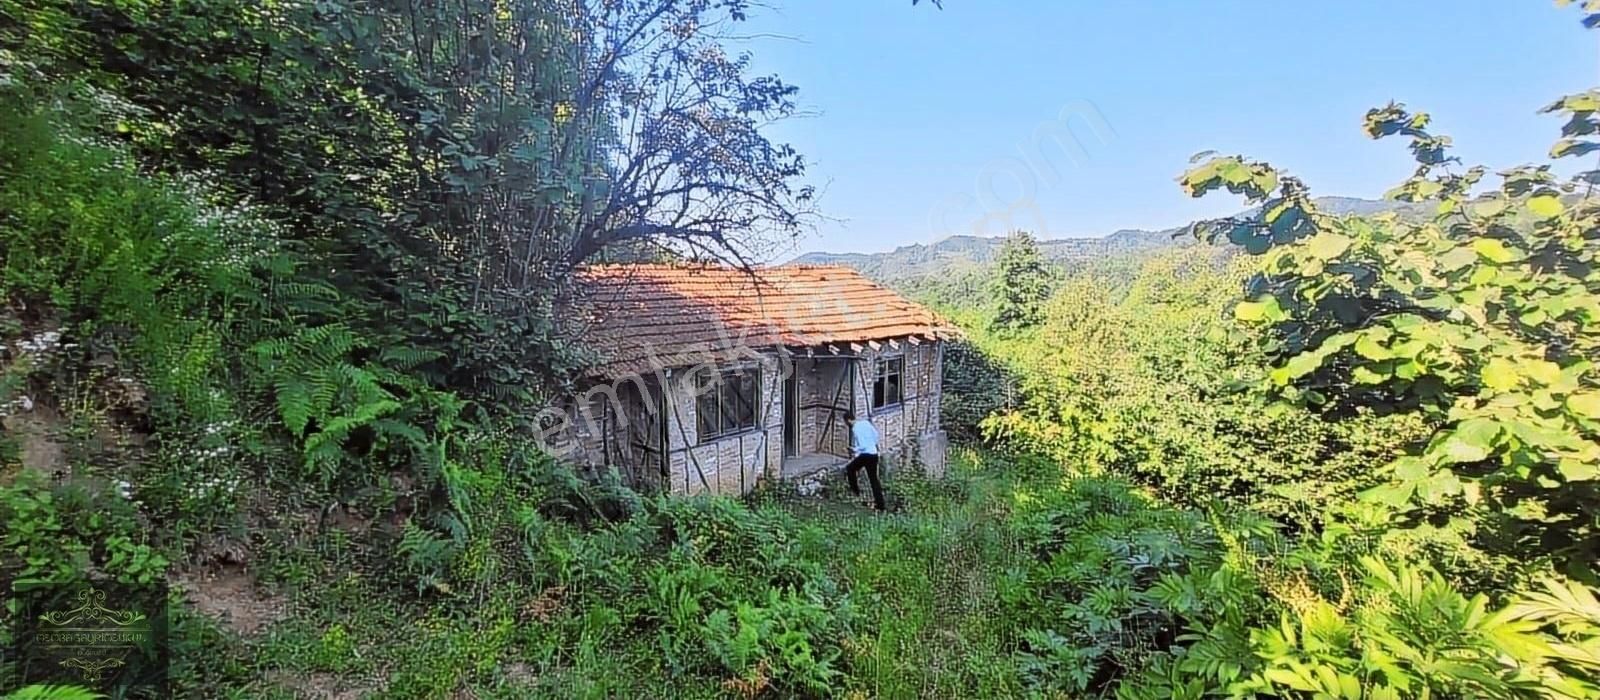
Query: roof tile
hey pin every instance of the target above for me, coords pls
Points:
(646, 316)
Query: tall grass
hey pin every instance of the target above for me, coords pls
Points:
(929, 580)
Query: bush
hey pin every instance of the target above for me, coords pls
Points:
(145, 278)
(1479, 316)
(1127, 595)
(1089, 596)
(739, 589)
(57, 540)
(1146, 382)
(976, 385)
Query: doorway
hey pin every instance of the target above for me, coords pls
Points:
(791, 414)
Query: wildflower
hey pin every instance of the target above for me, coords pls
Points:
(40, 344)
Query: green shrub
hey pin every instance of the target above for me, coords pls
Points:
(788, 637)
(149, 279)
(976, 385)
(1123, 594)
(52, 692)
(57, 540)
(1090, 597)
(55, 536)
(739, 589)
(1412, 635)
(120, 254)
(1145, 382)
(447, 652)
(1479, 316)
(1397, 631)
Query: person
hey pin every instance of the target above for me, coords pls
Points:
(864, 455)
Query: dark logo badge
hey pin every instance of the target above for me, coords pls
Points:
(93, 638)
(102, 636)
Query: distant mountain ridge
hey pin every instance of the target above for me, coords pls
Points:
(961, 252)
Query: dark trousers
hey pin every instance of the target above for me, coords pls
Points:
(870, 463)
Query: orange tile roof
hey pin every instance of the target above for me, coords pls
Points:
(647, 316)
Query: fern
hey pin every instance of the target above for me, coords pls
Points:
(426, 555)
(296, 406)
(339, 427)
(52, 692)
(408, 358)
(1573, 610)
(324, 394)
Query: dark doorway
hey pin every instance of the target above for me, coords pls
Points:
(791, 414)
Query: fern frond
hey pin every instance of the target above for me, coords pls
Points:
(1562, 603)
(363, 385)
(325, 388)
(389, 427)
(53, 692)
(335, 430)
(407, 357)
(295, 405)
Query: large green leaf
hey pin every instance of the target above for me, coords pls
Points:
(1493, 249)
(1264, 309)
(1586, 404)
(1367, 346)
(1578, 470)
(1328, 245)
(1488, 207)
(1501, 374)
(1471, 441)
(1545, 206)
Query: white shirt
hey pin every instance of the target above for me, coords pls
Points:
(863, 438)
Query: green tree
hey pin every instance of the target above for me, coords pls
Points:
(1484, 317)
(1022, 283)
(457, 159)
(1135, 376)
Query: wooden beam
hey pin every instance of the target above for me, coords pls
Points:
(833, 348)
(855, 347)
(914, 340)
(894, 344)
(874, 345)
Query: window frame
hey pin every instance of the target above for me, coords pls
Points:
(880, 382)
(726, 417)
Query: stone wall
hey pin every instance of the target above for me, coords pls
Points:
(729, 465)
(732, 465)
(901, 427)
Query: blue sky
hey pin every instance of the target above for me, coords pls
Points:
(922, 121)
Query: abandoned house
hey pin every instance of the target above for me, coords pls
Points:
(714, 378)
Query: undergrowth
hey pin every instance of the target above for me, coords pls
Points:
(188, 395)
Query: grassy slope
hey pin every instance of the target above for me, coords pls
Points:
(320, 606)
(925, 579)
(928, 574)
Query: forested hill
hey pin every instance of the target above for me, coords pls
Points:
(961, 252)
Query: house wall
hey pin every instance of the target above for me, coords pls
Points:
(732, 465)
(574, 437)
(729, 465)
(600, 425)
(905, 430)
